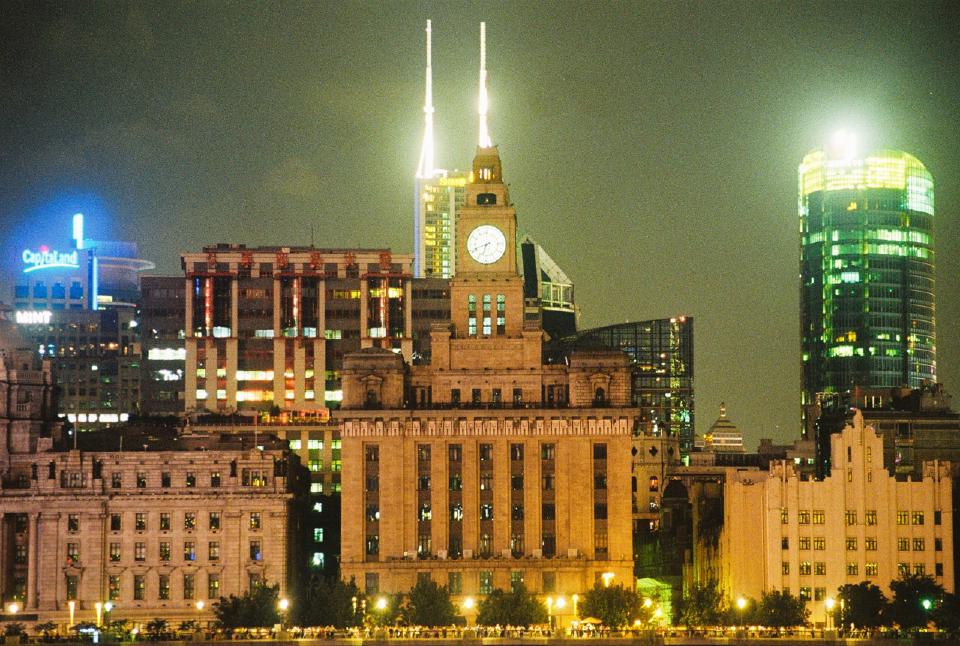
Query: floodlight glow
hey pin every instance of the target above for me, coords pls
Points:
(382, 603)
(741, 603)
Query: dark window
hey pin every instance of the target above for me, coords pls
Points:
(600, 511)
(549, 511)
(599, 451)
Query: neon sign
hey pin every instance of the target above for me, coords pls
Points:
(46, 258)
(33, 317)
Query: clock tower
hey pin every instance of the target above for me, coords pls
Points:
(487, 307)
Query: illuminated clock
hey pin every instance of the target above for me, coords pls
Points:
(486, 244)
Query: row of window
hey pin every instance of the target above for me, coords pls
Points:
(188, 586)
(484, 580)
(165, 552)
(818, 517)
(141, 524)
(871, 569)
(869, 543)
(249, 477)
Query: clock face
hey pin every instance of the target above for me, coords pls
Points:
(486, 244)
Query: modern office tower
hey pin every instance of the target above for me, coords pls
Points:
(267, 326)
(488, 467)
(784, 531)
(438, 196)
(866, 273)
(81, 273)
(79, 307)
(163, 349)
(547, 286)
(662, 383)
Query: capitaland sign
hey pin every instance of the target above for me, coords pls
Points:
(46, 258)
(33, 317)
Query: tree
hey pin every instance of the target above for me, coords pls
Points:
(947, 614)
(861, 604)
(516, 608)
(156, 629)
(700, 606)
(429, 604)
(384, 609)
(779, 609)
(44, 629)
(915, 597)
(256, 608)
(615, 606)
(330, 602)
(14, 629)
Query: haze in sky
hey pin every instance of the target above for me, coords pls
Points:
(651, 147)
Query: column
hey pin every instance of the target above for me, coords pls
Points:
(406, 344)
(365, 340)
(33, 560)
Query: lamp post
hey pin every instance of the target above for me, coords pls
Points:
(829, 605)
(199, 605)
(13, 608)
(560, 604)
(741, 606)
(283, 605)
(468, 606)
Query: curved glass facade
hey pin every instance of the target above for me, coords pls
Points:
(662, 381)
(866, 272)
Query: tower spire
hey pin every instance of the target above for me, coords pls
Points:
(484, 132)
(426, 167)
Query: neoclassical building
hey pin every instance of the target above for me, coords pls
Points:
(785, 531)
(488, 467)
(152, 529)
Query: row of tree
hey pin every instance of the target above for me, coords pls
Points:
(331, 602)
(916, 602)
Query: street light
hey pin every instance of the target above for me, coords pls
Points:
(829, 604)
(468, 603)
(199, 605)
(741, 605)
(607, 578)
(283, 605)
(13, 608)
(381, 603)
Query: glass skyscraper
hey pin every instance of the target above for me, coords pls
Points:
(866, 272)
(662, 378)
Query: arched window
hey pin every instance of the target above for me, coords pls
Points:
(599, 396)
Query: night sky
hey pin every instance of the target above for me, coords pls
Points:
(651, 148)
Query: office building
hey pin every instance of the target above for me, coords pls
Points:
(782, 531)
(548, 287)
(866, 272)
(723, 436)
(162, 344)
(488, 467)
(76, 299)
(661, 351)
(264, 325)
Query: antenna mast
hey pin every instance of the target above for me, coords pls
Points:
(426, 167)
(484, 132)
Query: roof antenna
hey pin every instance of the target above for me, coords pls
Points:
(484, 132)
(426, 166)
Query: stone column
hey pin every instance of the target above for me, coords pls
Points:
(33, 560)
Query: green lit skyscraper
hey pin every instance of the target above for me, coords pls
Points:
(866, 272)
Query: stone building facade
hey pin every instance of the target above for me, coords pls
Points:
(153, 532)
(785, 531)
(488, 466)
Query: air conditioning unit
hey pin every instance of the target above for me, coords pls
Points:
(468, 554)
(573, 553)
(538, 554)
(442, 555)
